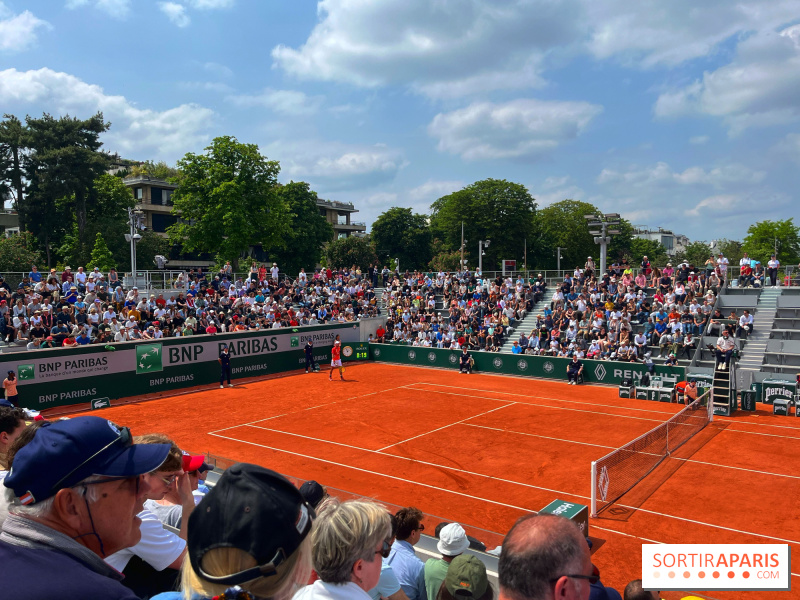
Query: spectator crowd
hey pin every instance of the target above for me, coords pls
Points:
(90, 511)
(79, 308)
(617, 315)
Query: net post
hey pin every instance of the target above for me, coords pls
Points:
(594, 488)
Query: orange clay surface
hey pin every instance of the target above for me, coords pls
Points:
(483, 450)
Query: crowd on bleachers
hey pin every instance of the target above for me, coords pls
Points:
(478, 312)
(617, 315)
(78, 308)
(88, 511)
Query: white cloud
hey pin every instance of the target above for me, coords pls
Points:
(652, 33)
(715, 204)
(557, 194)
(451, 48)
(442, 48)
(210, 4)
(176, 13)
(207, 86)
(116, 8)
(699, 140)
(18, 32)
(430, 191)
(520, 128)
(661, 174)
(332, 166)
(286, 102)
(165, 134)
(758, 88)
(552, 182)
(219, 70)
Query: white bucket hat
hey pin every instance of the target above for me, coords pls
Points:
(452, 540)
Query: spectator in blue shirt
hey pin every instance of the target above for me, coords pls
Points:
(409, 569)
(83, 338)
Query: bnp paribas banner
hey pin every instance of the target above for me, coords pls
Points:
(49, 378)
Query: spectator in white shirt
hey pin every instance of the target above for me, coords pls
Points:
(745, 327)
(772, 270)
(725, 346)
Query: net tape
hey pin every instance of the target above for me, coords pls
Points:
(617, 472)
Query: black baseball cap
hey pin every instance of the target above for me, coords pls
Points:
(62, 453)
(312, 492)
(254, 510)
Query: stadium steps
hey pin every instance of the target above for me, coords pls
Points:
(752, 361)
(526, 325)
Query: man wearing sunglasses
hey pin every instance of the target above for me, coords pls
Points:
(73, 491)
(543, 557)
(408, 568)
(152, 565)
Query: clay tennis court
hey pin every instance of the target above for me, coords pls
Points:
(485, 449)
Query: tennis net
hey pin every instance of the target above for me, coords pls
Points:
(618, 471)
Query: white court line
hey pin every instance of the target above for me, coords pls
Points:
(786, 437)
(595, 412)
(724, 419)
(324, 460)
(331, 462)
(413, 460)
(647, 410)
(580, 410)
(445, 426)
(400, 387)
(688, 460)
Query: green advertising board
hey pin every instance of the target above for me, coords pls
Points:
(93, 374)
(772, 389)
(577, 513)
(594, 371)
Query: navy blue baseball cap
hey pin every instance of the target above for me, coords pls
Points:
(63, 453)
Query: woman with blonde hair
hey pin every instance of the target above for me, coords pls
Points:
(248, 539)
(348, 542)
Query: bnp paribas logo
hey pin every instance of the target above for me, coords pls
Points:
(148, 359)
(26, 372)
(295, 341)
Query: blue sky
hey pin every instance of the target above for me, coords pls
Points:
(678, 114)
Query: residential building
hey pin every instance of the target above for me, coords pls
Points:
(338, 215)
(154, 198)
(673, 242)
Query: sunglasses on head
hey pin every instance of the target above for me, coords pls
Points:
(124, 439)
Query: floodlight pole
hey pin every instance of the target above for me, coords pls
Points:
(481, 245)
(603, 247)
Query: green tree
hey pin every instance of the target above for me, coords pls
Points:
(101, 255)
(696, 253)
(19, 252)
(13, 150)
(156, 170)
(562, 224)
(349, 251)
(655, 252)
(147, 248)
(107, 216)
(764, 236)
(401, 234)
(309, 231)
(65, 160)
(443, 260)
(228, 202)
(492, 209)
(731, 249)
